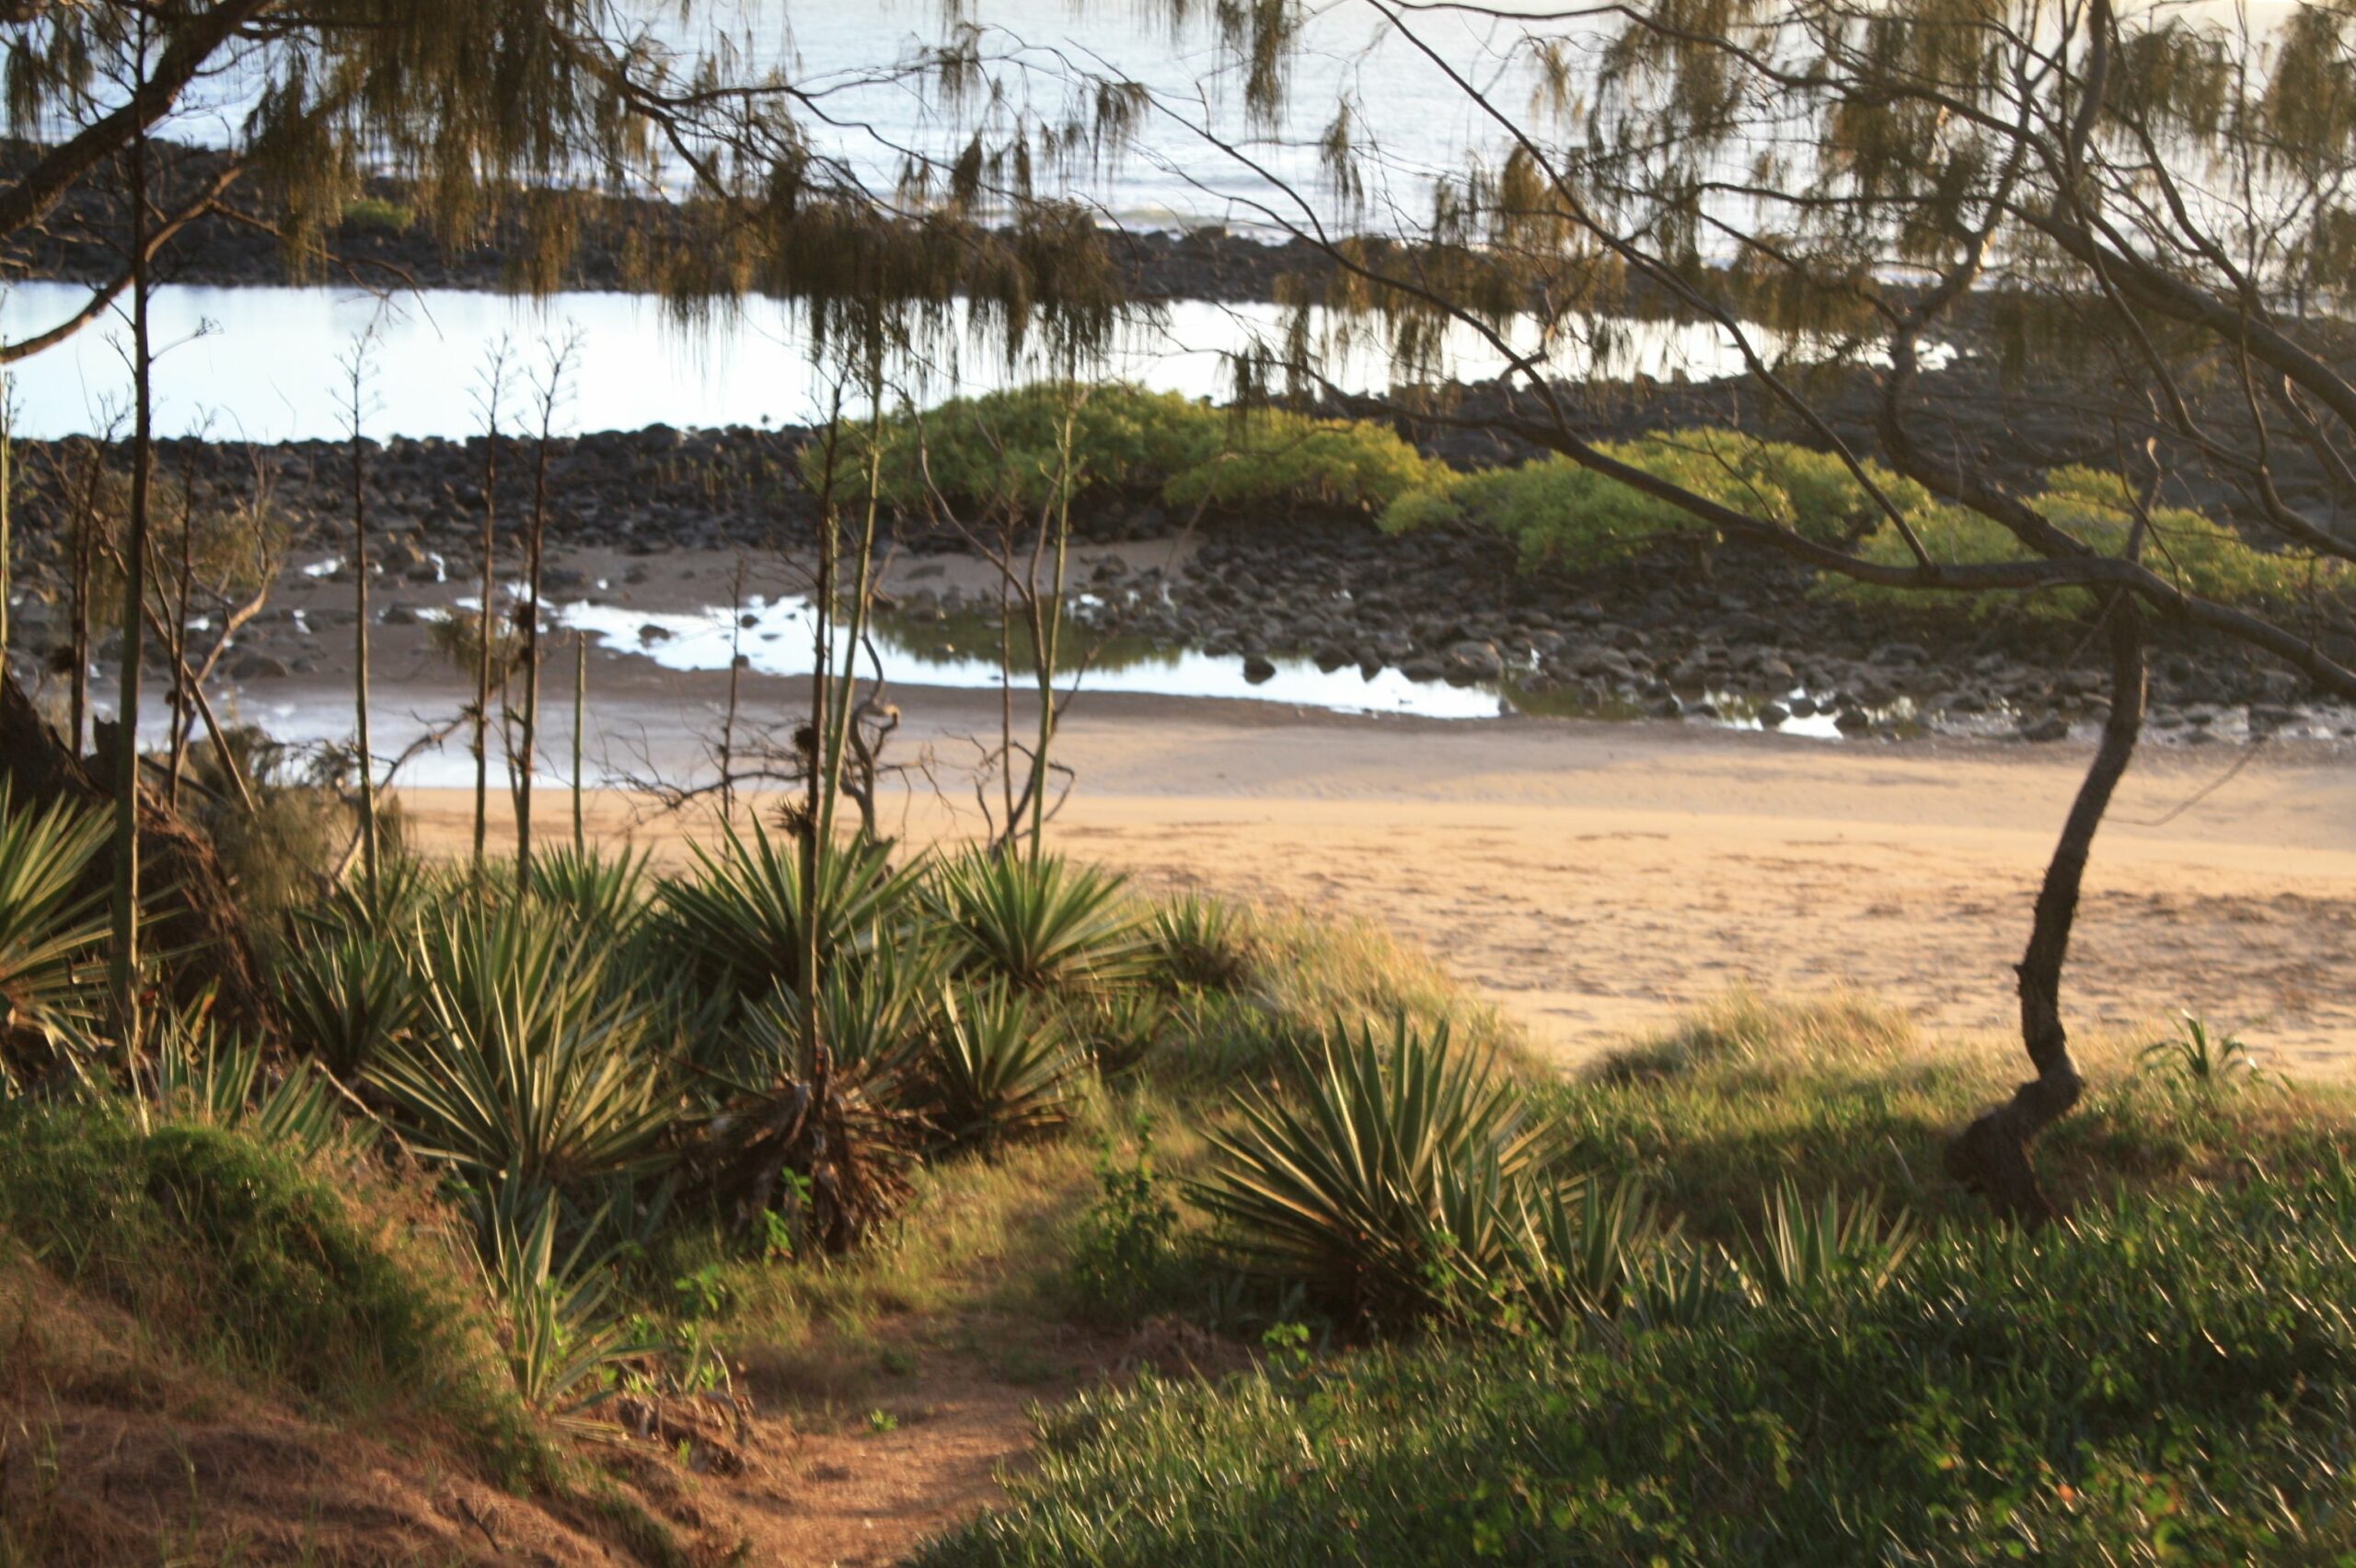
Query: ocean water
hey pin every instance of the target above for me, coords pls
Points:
(269, 363)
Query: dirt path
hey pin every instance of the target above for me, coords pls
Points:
(850, 1495)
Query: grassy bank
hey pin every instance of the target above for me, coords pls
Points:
(2167, 1378)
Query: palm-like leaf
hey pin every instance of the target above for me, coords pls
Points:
(49, 931)
(565, 1338)
(874, 1019)
(1392, 1169)
(1198, 945)
(1002, 1068)
(1805, 1251)
(523, 1064)
(1040, 925)
(205, 1076)
(603, 894)
(742, 921)
(344, 997)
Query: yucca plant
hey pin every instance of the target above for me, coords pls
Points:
(50, 928)
(343, 996)
(1002, 1067)
(603, 893)
(1039, 925)
(1582, 1251)
(873, 1018)
(565, 1341)
(1386, 1181)
(524, 1063)
(1119, 1029)
(217, 1080)
(741, 920)
(2201, 1055)
(1807, 1252)
(1198, 945)
(408, 891)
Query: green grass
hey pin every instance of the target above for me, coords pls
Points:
(2168, 1378)
(1848, 1092)
(244, 1259)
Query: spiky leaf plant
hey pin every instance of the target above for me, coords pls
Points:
(566, 1340)
(1004, 1067)
(1583, 1251)
(740, 921)
(873, 1018)
(408, 891)
(1119, 1029)
(51, 925)
(217, 1080)
(1198, 945)
(528, 1062)
(2202, 1056)
(603, 892)
(1384, 1185)
(1040, 925)
(1807, 1252)
(343, 996)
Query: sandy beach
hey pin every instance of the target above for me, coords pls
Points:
(1597, 879)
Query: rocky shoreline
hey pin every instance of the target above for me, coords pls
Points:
(381, 244)
(1750, 642)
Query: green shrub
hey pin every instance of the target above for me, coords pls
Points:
(2190, 550)
(376, 214)
(1125, 1245)
(1003, 452)
(1273, 458)
(1557, 513)
(232, 1250)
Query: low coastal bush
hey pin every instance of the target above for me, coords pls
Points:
(1560, 514)
(2196, 553)
(1005, 451)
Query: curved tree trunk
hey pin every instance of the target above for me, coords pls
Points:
(1991, 1156)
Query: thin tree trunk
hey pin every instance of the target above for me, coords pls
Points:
(580, 721)
(845, 710)
(125, 973)
(85, 523)
(735, 671)
(1046, 625)
(535, 552)
(368, 846)
(7, 494)
(487, 635)
(176, 640)
(1991, 1156)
